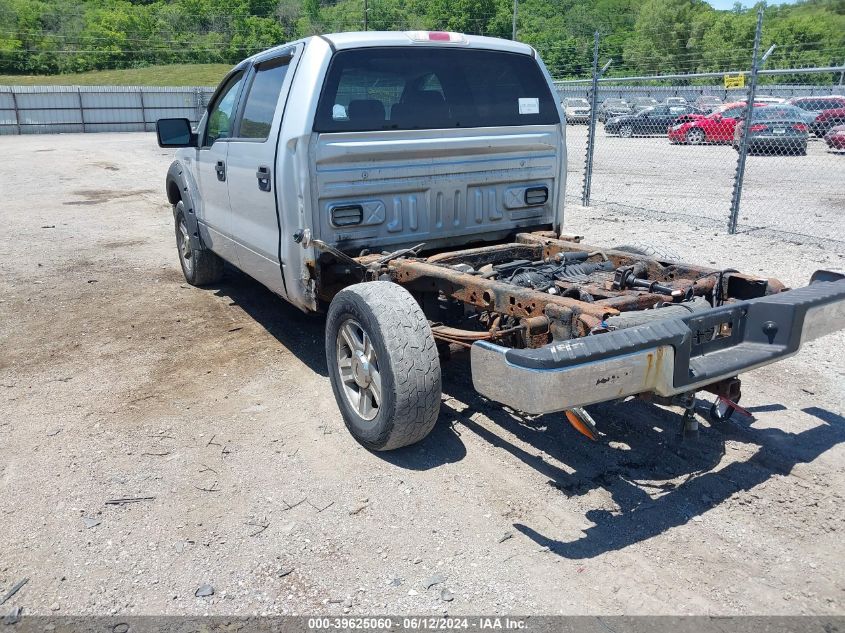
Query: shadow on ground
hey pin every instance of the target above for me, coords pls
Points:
(300, 333)
(303, 335)
(657, 480)
(640, 456)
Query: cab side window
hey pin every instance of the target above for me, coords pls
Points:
(222, 113)
(262, 99)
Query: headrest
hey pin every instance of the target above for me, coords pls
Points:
(366, 112)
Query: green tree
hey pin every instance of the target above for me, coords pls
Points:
(662, 36)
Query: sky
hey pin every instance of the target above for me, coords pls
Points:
(728, 4)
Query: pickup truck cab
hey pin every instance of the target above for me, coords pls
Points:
(411, 185)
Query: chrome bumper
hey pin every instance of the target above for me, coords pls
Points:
(666, 357)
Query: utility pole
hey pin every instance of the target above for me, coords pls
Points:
(515, 10)
(366, 10)
(842, 76)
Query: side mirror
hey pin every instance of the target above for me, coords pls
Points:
(717, 116)
(175, 133)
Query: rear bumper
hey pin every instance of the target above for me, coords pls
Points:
(777, 142)
(665, 357)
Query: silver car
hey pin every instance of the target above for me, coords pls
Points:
(577, 110)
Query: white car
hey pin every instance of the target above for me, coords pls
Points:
(576, 110)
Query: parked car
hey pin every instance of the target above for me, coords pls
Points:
(835, 137)
(675, 101)
(774, 129)
(826, 120)
(768, 99)
(814, 106)
(649, 122)
(641, 103)
(453, 238)
(717, 127)
(613, 107)
(576, 110)
(707, 104)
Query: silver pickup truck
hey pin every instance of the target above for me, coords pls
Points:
(411, 185)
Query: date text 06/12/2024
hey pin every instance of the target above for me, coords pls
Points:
(421, 623)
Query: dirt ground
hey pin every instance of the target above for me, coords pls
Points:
(211, 410)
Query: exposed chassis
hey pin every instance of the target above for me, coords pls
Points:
(564, 317)
(540, 352)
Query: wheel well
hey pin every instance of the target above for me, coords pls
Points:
(173, 194)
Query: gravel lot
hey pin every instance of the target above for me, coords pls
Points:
(801, 195)
(211, 409)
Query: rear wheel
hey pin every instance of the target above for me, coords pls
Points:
(695, 136)
(200, 266)
(383, 365)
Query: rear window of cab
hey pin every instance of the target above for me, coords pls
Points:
(408, 88)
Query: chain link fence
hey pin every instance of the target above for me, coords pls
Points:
(687, 146)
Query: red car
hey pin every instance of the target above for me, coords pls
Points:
(717, 127)
(828, 119)
(835, 137)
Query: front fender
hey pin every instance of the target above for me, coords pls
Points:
(178, 188)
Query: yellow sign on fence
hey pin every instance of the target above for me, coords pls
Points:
(734, 81)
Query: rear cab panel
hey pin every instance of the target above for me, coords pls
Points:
(410, 147)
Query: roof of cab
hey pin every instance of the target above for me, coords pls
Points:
(364, 39)
(368, 39)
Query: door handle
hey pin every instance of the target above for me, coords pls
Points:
(220, 168)
(263, 176)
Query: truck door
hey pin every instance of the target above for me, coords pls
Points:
(212, 170)
(251, 163)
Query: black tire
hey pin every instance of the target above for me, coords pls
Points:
(662, 254)
(626, 130)
(200, 266)
(406, 364)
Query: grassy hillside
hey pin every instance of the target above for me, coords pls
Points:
(171, 75)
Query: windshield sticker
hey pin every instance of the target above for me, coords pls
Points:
(530, 105)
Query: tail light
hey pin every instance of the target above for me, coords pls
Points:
(799, 127)
(758, 127)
